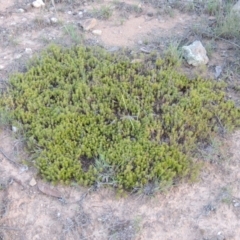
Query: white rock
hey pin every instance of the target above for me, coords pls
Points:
(38, 4)
(195, 54)
(28, 51)
(97, 32)
(32, 182)
(20, 10)
(69, 12)
(14, 129)
(53, 20)
(1, 67)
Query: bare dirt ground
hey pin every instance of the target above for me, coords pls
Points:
(207, 209)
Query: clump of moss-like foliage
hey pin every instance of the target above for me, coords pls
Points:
(94, 116)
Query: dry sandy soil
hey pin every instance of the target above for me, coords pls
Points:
(207, 209)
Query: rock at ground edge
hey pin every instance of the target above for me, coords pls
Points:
(46, 189)
(88, 24)
(195, 54)
(33, 182)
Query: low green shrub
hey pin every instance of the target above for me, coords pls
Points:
(87, 113)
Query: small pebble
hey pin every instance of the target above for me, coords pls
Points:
(53, 20)
(237, 204)
(20, 10)
(97, 32)
(1, 67)
(150, 14)
(32, 182)
(14, 129)
(28, 51)
(38, 4)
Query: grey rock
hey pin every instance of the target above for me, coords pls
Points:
(150, 14)
(218, 71)
(195, 54)
(220, 236)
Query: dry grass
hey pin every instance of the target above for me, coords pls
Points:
(118, 228)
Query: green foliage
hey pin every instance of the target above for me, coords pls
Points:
(213, 6)
(228, 27)
(173, 53)
(94, 116)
